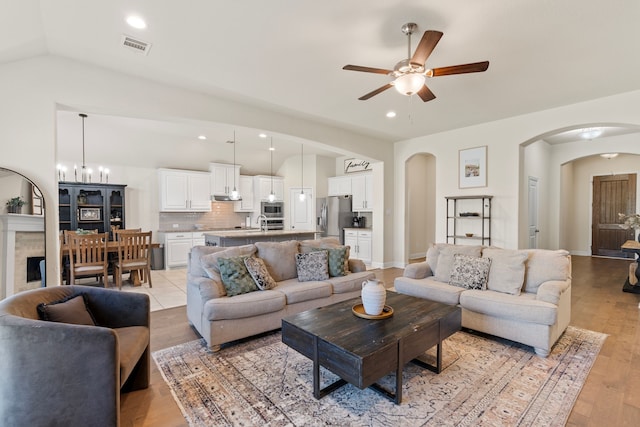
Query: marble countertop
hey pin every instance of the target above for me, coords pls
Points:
(240, 233)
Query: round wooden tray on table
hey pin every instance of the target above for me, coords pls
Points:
(358, 310)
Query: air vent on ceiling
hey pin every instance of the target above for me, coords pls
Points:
(136, 45)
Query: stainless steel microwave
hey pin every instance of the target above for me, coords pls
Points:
(272, 209)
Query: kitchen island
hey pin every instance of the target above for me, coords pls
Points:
(245, 237)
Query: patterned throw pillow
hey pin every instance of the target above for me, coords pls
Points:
(259, 272)
(235, 277)
(338, 260)
(470, 272)
(312, 266)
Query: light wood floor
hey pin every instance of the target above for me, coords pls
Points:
(610, 394)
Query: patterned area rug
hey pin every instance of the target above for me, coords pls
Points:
(486, 381)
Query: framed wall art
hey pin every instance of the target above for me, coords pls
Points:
(472, 167)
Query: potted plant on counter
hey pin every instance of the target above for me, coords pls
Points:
(14, 205)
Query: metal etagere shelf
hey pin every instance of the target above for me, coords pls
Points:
(469, 219)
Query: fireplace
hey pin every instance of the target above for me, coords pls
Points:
(33, 268)
(22, 237)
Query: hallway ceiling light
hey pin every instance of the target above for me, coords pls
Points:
(590, 133)
(391, 114)
(609, 155)
(202, 137)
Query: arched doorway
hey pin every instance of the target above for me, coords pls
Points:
(564, 164)
(420, 209)
(22, 230)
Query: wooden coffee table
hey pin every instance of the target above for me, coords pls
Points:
(361, 351)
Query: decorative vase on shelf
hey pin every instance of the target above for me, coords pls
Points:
(374, 296)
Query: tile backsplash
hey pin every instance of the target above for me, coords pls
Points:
(221, 216)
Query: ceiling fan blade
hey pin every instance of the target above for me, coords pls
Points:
(475, 67)
(375, 92)
(427, 43)
(426, 94)
(366, 69)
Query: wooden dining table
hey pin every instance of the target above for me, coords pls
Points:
(112, 248)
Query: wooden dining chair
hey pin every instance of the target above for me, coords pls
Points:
(88, 256)
(134, 256)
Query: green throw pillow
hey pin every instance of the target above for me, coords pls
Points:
(337, 260)
(235, 276)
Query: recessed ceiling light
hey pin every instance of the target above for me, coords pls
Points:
(391, 114)
(202, 137)
(609, 155)
(136, 22)
(272, 149)
(263, 135)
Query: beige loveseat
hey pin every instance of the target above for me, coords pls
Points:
(527, 296)
(220, 318)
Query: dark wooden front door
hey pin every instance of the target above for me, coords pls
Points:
(612, 194)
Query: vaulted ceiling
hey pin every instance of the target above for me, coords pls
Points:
(288, 55)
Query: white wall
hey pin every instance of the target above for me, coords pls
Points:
(503, 139)
(566, 206)
(32, 89)
(536, 165)
(420, 185)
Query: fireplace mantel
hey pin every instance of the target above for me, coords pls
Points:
(11, 224)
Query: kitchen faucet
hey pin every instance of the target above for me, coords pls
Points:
(262, 220)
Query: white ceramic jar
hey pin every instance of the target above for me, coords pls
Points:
(374, 296)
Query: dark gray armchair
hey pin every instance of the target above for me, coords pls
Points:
(61, 374)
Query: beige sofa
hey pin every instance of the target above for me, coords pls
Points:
(220, 318)
(527, 297)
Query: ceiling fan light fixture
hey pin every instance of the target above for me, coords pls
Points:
(409, 84)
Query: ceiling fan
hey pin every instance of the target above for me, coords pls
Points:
(409, 75)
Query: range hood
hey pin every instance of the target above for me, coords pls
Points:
(225, 198)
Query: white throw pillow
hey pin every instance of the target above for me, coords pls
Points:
(507, 270)
(445, 259)
(432, 255)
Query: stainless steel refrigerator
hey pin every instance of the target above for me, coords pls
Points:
(334, 214)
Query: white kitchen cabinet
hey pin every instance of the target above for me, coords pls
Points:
(362, 187)
(360, 242)
(246, 192)
(262, 184)
(339, 186)
(178, 245)
(223, 176)
(184, 191)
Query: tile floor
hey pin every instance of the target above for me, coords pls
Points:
(169, 288)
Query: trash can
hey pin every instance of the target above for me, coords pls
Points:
(157, 258)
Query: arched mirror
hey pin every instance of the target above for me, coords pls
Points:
(22, 234)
